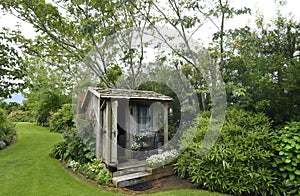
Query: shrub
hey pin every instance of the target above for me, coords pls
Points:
(239, 162)
(94, 170)
(62, 120)
(72, 148)
(19, 116)
(7, 131)
(97, 170)
(287, 156)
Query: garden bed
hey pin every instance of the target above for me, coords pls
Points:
(13, 141)
(172, 182)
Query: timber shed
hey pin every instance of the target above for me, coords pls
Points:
(117, 116)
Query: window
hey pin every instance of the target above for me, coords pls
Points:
(144, 118)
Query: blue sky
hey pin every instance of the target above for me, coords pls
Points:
(15, 98)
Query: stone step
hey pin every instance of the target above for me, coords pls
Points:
(129, 164)
(130, 179)
(130, 167)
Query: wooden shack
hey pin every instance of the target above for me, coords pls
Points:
(117, 115)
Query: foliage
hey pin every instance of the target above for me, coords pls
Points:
(15, 112)
(63, 43)
(72, 148)
(97, 169)
(159, 160)
(240, 161)
(62, 120)
(92, 170)
(50, 178)
(142, 135)
(78, 144)
(262, 68)
(7, 131)
(48, 90)
(10, 107)
(136, 146)
(11, 69)
(86, 132)
(43, 103)
(287, 157)
(19, 116)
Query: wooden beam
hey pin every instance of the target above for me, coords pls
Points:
(99, 132)
(166, 108)
(155, 112)
(127, 129)
(114, 134)
(108, 132)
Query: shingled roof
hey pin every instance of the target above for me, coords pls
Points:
(131, 94)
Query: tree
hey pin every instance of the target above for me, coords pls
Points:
(262, 67)
(68, 31)
(47, 91)
(11, 69)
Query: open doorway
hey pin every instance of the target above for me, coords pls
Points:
(123, 125)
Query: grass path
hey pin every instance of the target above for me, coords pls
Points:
(27, 169)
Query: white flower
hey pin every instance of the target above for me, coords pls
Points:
(159, 160)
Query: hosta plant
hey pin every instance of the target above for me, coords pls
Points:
(287, 159)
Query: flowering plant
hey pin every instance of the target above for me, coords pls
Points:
(136, 146)
(142, 135)
(92, 170)
(97, 170)
(74, 165)
(159, 160)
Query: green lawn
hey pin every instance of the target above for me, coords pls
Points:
(27, 169)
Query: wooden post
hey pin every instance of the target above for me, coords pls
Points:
(155, 111)
(114, 134)
(127, 128)
(108, 132)
(166, 107)
(99, 132)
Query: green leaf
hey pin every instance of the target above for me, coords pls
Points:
(284, 174)
(287, 160)
(289, 168)
(297, 172)
(291, 176)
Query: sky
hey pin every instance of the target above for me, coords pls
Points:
(267, 8)
(16, 98)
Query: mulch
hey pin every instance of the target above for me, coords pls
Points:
(164, 184)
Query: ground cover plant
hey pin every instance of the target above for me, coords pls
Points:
(94, 170)
(287, 156)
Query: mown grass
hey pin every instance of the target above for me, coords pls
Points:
(27, 169)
